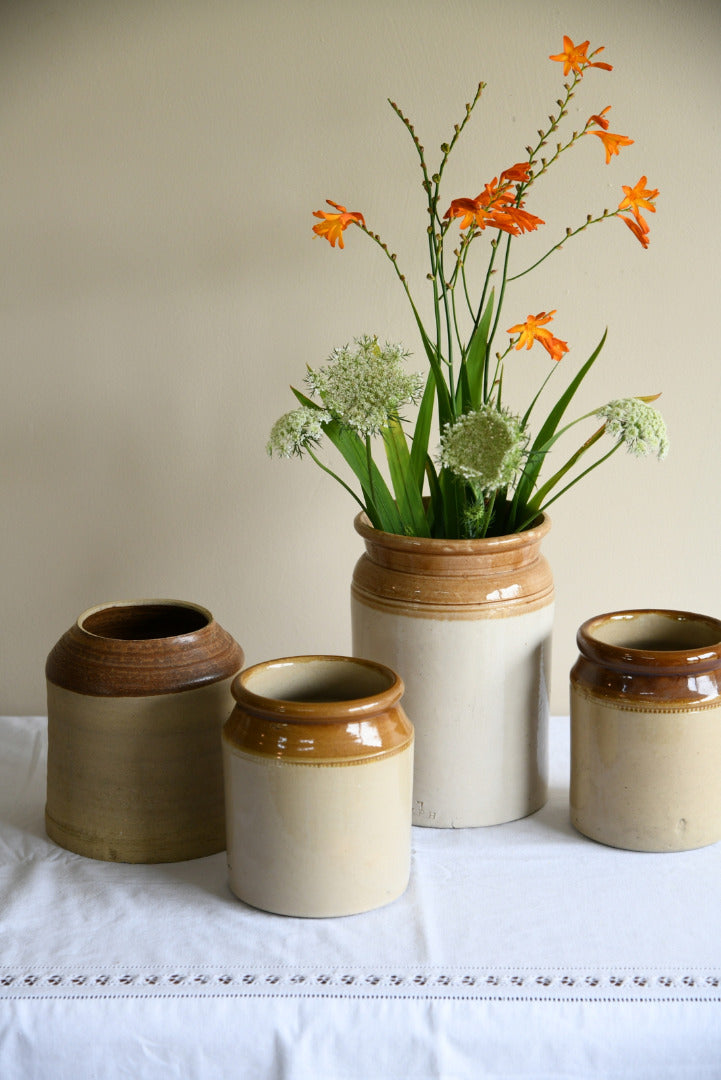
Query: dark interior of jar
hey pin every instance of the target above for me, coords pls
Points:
(140, 622)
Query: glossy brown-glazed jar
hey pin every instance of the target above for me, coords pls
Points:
(137, 695)
(646, 730)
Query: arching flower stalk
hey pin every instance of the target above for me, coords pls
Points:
(362, 389)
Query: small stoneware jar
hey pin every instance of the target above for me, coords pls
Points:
(318, 757)
(646, 730)
(138, 693)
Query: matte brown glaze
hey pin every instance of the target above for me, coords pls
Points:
(651, 657)
(133, 648)
(496, 576)
(341, 709)
(137, 695)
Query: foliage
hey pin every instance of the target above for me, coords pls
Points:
(486, 478)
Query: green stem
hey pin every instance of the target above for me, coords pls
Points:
(499, 307)
(570, 233)
(335, 476)
(448, 147)
(541, 388)
(544, 507)
(369, 459)
(550, 484)
(489, 513)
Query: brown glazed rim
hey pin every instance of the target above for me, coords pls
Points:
(99, 655)
(651, 661)
(441, 546)
(289, 711)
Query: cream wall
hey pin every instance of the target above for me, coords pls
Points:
(161, 289)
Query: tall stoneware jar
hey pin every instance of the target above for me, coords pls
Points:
(467, 624)
(138, 693)
(646, 730)
(318, 757)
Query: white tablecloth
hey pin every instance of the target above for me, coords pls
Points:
(522, 950)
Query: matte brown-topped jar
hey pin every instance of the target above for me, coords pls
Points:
(318, 757)
(646, 730)
(137, 695)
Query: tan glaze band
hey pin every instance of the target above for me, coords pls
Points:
(327, 744)
(639, 704)
(138, 647)
(497, 605)
(350, 711)
(450, 556)
(497, 577)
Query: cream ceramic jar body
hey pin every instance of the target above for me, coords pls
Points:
(138, 692)
(467, 624)
(646, 730)
(318, 758)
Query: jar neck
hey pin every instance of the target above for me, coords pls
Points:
(100, 656)
(452, 558)
(652, 642)
(317, 689)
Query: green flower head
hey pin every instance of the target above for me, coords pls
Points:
(638, 425)
(364, 385)
(295, 431)
(485, 447)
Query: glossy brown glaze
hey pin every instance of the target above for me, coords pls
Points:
(318, 709)
(134, 648)
(651, 657)
(497, 576)
(645, 731)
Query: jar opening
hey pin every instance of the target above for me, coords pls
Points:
(657, 631)
(318, 680)
(142, 622)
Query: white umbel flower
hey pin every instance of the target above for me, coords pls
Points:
(295, 431)
(364, 385)
(485, 447)
(638, 425)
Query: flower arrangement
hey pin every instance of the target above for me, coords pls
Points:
(486, 477)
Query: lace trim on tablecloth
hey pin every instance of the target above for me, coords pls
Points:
(435, 983)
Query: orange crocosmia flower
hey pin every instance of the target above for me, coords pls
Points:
(638, 197)
(505, 220)
(470, 210)
(517, 174)
(482, 212)
(639, 228)
(533, 329)
(332, 226)
(496, 205)
(479, 211)
(600, 118)
(574, 57)
(526, 222)
(612, 143)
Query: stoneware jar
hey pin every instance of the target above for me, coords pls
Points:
(467, 625)
(646, 730)
(137, 695)
(318, 757)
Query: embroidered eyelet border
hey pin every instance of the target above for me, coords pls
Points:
(516, 984)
